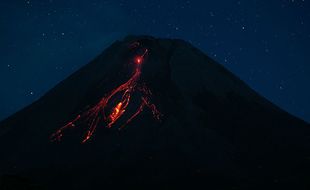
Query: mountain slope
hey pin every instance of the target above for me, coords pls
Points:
(215, 131)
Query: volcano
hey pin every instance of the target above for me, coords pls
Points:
(154, 114)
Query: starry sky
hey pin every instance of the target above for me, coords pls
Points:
(266, 43)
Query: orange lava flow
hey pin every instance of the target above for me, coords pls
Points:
(98, 113)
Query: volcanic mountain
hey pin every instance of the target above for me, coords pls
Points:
(182, 121)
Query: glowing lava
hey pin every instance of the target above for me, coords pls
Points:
(98, 113)
(138, 60)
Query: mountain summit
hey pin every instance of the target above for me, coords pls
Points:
(153, 113)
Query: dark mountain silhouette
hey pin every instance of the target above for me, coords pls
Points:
(215, 133)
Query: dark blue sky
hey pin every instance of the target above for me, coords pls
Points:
(265, 43)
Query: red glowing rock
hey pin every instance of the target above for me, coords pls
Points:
(94, 115)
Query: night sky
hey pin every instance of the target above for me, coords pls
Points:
(265, 43)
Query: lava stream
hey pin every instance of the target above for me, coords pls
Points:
(97, 113)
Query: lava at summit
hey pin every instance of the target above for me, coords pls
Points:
(100, 113)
